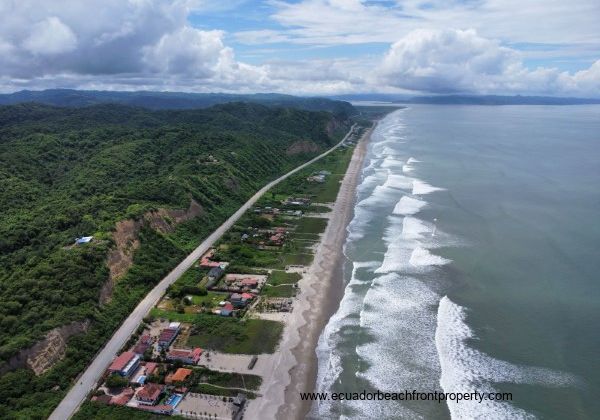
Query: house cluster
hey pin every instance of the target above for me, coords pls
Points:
(319, 177)
(240, 283)
(278, 236)
(275, 211)
(234, 303)
(296, 201)
(206, 261)
(142, 390)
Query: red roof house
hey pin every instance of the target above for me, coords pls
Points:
(149, 393)
(190, 357)
(249, 282)
(150, 368)
(123, 398)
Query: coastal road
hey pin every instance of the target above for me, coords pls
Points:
(88, 380)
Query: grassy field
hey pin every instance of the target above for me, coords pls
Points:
(297, 259)
(279, 291)
(253, 336)
(211, 300)
(213, 390)
(281, 277)
(227, 380)
(312, 225)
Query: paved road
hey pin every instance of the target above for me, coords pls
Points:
(87, 381)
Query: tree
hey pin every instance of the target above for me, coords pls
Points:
(116, 381)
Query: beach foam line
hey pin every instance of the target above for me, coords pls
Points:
(412, 160)
(328, 349)
(397, 314)
(408, 206)
(421, 187)
(464, 367)
(398, 181)
(421, 257)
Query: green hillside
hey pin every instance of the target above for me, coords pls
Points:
(71, 172)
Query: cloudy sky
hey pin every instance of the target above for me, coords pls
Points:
(542, 47)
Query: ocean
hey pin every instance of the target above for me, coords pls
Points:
(473, 264)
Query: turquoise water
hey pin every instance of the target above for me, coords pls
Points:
(473, 261)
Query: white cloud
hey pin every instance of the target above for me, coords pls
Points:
(446, 61)
(150, 44)
(50, 36)
(186, 50)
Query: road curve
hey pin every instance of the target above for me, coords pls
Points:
(88, 380)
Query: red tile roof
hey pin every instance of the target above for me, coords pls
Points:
(150, 367)
(121, 361)
(249, 281)
(247, 296)
(180, 375)
(228, 306)
(167, 334)
(123, 398)
(149, 392)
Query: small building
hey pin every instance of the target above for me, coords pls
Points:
(180, 375)
(225, 312)
(150, 367)
(149, 394)
(125, 364)
(236, 300)
(207, 260)
(190, 357)
(215, 273)
(83, 240)
(250, 283)
(167, 335)
(123, 398)
(247, 296)
(143, 344)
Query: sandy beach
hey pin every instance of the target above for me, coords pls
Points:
(294, 365)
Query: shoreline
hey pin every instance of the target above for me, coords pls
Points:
(295, 363)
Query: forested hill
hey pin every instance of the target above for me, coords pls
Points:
(172, 100)
(148, 186)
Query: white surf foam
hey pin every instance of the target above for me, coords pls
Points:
(408, 206)
(390, 162)
(398, 181)
(329, 356)
(465, 368)
(422, 187)
(398, 315)
(421, 257)
(412, 160)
